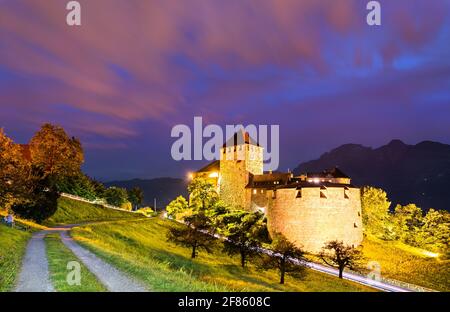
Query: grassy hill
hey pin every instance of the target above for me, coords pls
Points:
(13, 241)
(141, 249)
(408, 264)
(73, 212)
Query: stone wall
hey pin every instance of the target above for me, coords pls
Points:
(311, 220)
(235, 165)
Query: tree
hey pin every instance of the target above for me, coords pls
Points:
(283, 258)
(146, 211)
(407, 222)
(375, 212)
(202, 193)
(195, 234)
(41, 201)
(78, 184)
(245, 232)
(116, 196)
(98, 187)
(338, 255)
(13, 171)
(55, 153)
(135, 197)
(177, 206)
(434, 233)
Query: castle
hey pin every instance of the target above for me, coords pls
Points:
(310, 209)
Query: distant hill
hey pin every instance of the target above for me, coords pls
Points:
(417, 174)
(163, 189)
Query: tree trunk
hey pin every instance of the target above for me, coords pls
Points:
(193, 251)
(282, 270)
(341, 270)
(243, 259)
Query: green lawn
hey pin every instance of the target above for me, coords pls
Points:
(140, 248)
(58, 257)
(12, 248)
(73, 212)
(408, 264)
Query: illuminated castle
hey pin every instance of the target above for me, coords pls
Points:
(309, 209)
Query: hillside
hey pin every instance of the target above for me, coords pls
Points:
(141, 249)
(73, 212)
(163, 189)
(417, 174)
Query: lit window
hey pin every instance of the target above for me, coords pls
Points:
(254, 191)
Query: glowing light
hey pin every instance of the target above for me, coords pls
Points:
(214, 174)
(190, 175)
(430, 254)
(316, 180)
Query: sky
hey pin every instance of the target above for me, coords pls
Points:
(134, 69)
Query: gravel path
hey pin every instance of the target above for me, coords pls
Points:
(113, 279)
(34, 276)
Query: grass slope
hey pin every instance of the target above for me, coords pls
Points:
(408, 264)
(72, 212)
(140, 248)
(13, 243)
(58, 257)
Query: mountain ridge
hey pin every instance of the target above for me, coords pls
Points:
(417, 173)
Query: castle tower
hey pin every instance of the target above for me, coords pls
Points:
(239, 157)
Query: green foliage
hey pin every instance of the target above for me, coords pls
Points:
(116, 196)
(282, 259)
(338, 255)
(177, 206)
(98, 187)
(78, 184)
(146, 211)
(407, 223)
(245, 232)
(202, 193)
(195, 235)
(127, 206)
(375, 212)
(435, 231)
(41, 201)
(135, 196)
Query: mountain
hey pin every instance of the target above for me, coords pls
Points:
(163, 189)
(417, 174)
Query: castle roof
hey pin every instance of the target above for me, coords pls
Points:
(331, 173)
(269, 179)
(286, 180)
(213, 166)
(240, 138)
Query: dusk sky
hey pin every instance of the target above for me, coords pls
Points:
(134, 69)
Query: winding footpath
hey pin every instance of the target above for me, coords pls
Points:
(35, 277)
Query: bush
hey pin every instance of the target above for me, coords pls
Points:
(79, 185)
(116, 196)
(40, 204)
(146, 211)
(127, 206)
